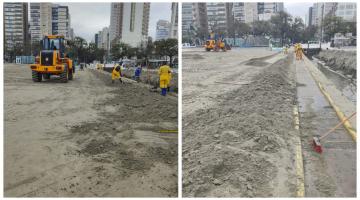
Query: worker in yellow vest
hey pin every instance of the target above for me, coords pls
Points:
(296, 48)
(116, 73)
(165, 76)
(298, 51)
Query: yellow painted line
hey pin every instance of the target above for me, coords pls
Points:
(300, 183)
(339, 113)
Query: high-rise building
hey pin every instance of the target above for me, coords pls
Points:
(229, 18)
(104, 39)
(15, 25)
(162, 30)
(96, 39)
(61, 21)
(194, 18)
(217, 16)
(251, 12)
(72, 34)
(200, 18)
(309, 18)
(245, 12)
(267, 9)
(129, 22)
(40, 20)
(347, 11)
(99, 40)
(321, 10)
(174, 21)
(239, 11)
(48, 18)
(187, 17)
(116, 20)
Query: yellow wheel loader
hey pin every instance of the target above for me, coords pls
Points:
(210, 45)
(52, 60)
(215, 45)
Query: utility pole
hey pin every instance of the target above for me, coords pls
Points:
(321, 25)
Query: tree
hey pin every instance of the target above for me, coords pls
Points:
(77, 49)
(202, 33)
(119, 50)
(297, 30)
(261, 28)
(281, 26)
(168, 47)
(100, 54)
(131, 52)
(333, 24)
(351, 28)
(310, 32)
(148, 50)
(91, 52)
(242, 29)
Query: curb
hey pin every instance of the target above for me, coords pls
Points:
(339, 113)
(300, 185)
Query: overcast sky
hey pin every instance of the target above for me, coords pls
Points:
(89, 18)
(297, 9)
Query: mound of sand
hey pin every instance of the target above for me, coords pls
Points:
(344, 61)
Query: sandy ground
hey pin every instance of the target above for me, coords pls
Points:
(87, 138)
(238, 132)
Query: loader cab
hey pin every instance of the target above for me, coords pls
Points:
(53, 43)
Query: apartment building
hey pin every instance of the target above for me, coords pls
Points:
(61, 21)
(347, 11)
(15, 18)
(200, 17)
(162, 30)
(40, 20)
(187, 17)
(267, 9)
(129, 22)
(48, 18)
(217, 16)
(173, 33)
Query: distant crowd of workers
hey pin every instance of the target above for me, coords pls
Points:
(164, 73)
(297, 49)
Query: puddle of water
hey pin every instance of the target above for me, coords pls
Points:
(347, 86)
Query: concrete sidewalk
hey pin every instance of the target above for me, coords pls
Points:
(332, 173)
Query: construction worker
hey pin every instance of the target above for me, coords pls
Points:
(296, 46)
(164, 74)
(116, 73)
(285, 50)
(138, 73)
(298, 51)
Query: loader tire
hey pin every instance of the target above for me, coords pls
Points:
(207, 49)
(64, 76)
(71, 73)
(36, 76)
